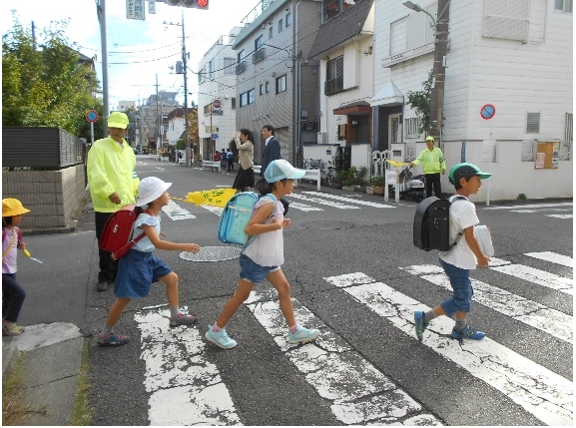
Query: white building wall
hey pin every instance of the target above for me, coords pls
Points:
(515, 77)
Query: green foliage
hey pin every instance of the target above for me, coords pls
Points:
(522, 197)
(420, 102)
(377, 181)
(43, 82)
(353, 176)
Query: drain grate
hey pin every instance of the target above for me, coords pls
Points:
(212, 254)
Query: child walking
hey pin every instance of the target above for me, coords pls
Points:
(263, 257)
(465, 255)
(140, 267)
(13, 294)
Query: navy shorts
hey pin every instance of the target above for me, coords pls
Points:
(253, 272)
(136, 273)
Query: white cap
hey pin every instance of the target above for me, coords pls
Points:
(150, 189)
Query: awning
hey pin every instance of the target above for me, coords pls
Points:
(356, 108)
(389, 95)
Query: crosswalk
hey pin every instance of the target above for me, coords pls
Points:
(557, 210)
(185, 386)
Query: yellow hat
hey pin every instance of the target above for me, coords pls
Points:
(430, 138)
(118, 120)
(12, 207)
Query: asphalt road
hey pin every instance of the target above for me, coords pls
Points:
(355, 275)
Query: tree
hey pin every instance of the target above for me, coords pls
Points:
(420, 102)
(43, 83)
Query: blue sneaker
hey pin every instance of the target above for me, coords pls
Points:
(419, 324)
(220, 339)
(112, 339)
(303, 335)
(468, 333)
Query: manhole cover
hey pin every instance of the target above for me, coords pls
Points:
(212, 254)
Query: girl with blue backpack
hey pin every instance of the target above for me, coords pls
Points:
(263, 257)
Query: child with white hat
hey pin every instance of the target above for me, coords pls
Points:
(13, 294)
(140, 267)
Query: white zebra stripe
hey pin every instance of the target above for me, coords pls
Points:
(537, 276)
(551, 321)
(304, 207)
(359, 392)
(347, 199)
(535, 206)
(550, 256)
(186, 388)
(543, 393)
(176, 212)
(321, 201)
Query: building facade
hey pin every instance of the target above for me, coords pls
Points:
(507, 93)
(276, 84)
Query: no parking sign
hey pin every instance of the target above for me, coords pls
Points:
(488, 111)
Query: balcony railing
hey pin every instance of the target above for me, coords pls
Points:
(241, 67)
(333, 86)
(258, 55)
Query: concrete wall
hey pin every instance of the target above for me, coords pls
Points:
(51, 196)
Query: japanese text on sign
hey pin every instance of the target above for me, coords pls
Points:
(135, 9)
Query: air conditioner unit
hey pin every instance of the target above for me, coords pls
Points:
(322, 138)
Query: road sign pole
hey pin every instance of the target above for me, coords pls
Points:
(92, 132)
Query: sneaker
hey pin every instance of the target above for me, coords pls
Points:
(10, 328)
(102, 286)
(468, 333)
(182, 319)
(112, 339)
(220, 339)
(303, 335)
(419, 324)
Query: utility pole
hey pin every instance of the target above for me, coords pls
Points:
(439, 69)
(158, 123)
(184, 55)
(101, 11)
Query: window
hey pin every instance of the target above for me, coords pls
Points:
(532, 123)
(288, 19)
(258, 42)
(412, 32)
(202, 75)
(334, 76)
(241, 66)
(267, 87)
(251, 96)
(243, 99)
(261, 89)
(280, 25)
(240, 56)
(270, 32)
(281, 84)
(412, 127)
(506, 19)
(211, 70)
(233, 103)
(332, 8)
(563, 5)
(229, 65)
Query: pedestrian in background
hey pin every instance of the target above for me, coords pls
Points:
(229, 161)
(223, 160)
(139, 268)
(434, 164)
(113, 183)
(462, 258)
(13, 294)
(262, 258)
(245, 145)
(272, 151)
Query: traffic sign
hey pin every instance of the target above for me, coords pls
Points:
(487, 112)
(92, 116)
(217, 104)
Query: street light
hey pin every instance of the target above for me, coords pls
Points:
(439, 67)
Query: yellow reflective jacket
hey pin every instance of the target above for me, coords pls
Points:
(433, 160)
(111, 169)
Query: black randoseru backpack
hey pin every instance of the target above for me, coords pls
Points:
(431, 228)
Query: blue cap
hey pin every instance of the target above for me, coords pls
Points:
(281, 169)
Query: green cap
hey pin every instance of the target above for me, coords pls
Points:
(118, 119)
(466, 170)
(430, 138)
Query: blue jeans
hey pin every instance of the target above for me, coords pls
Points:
(253, 272)
(462, 287)
(12, 297)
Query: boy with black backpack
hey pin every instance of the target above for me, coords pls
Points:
(462, 257)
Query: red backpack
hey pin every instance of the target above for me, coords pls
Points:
(117, 234)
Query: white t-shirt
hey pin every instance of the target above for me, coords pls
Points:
(267, 249)
(462, 216)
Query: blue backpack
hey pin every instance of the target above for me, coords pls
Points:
(236, 216)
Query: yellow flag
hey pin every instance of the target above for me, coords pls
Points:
(213, 197)
(395, 163)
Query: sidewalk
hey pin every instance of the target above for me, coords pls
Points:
(51, 352)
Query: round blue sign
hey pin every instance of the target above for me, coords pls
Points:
(487, 111)
(92, 116)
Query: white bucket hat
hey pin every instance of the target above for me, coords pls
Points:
(150, 189)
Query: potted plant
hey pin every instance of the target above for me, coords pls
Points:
(348, 178)
(377, 183)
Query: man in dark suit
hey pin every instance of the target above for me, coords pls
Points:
(271, 152)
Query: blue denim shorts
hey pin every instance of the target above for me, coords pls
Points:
(461, 300)
(253, 272)
(136, 272)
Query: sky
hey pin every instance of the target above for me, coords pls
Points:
(137, 50)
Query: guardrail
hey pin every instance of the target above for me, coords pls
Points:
(311, 174)
(211, 164)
